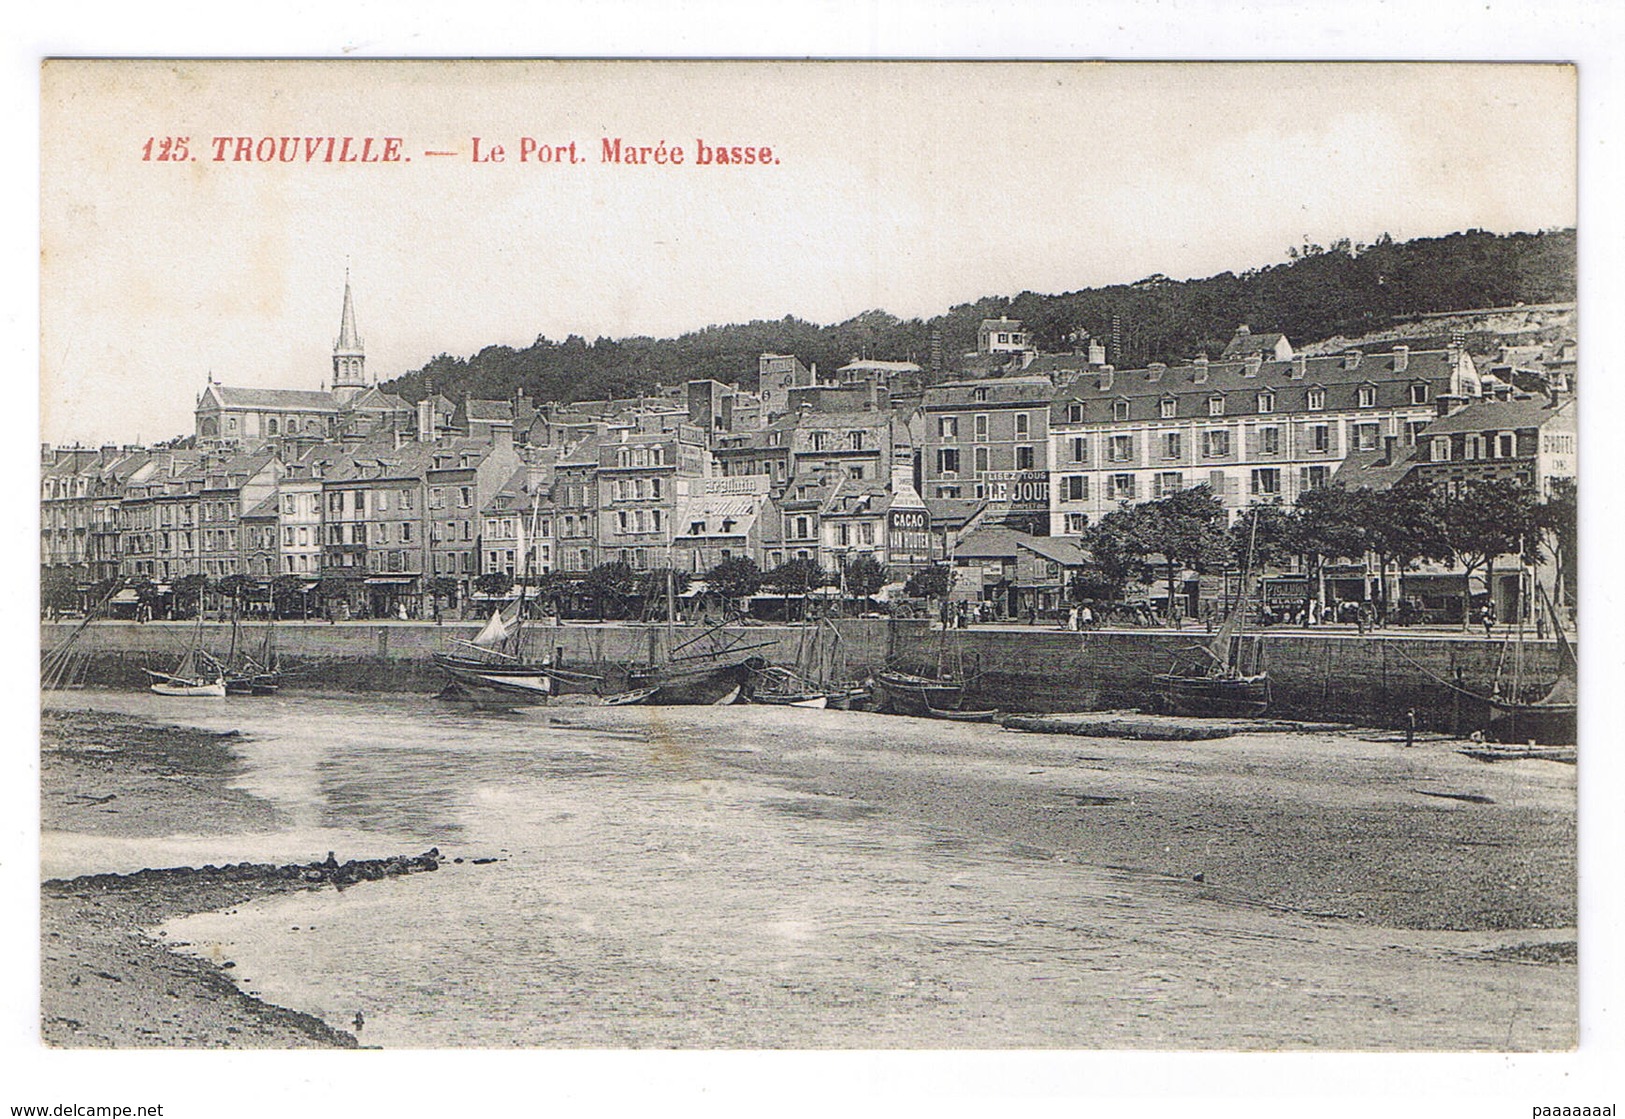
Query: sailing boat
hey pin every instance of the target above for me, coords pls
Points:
(1552, 718)
(252, 673)
(197, 674)
(691, 673)
(1229, 677)
(937, 696)
(779, 686)
(497, 661)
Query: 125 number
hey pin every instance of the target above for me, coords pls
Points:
(165, 149)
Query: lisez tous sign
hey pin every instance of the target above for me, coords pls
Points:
(1019, 489)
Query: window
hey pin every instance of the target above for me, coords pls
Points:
(1077, 522)
(1316, 400)
(382, 503)
(1120, 410)
(818, 440)
(1413, 428)
(948, 461)
(1173, 444)
(1315, 477)
(1365, 436)
(1266, 482)
(979, 426)
(1075, 487)
(1167, 482)
(408, 499)
(1074, 413)
(979, 395)
(1419, 394)
(1320, 438)
(1506, 445)
(1215, 443)
(948, 491)
(1266, 402)
(1024, 458)
(1169, 408)
(854, 440)
(980, 458)
(1121, 487)
(855, 471)
(1080, 449)
(1269, 440)
(1215, 405)
(1023, 425)
(1120, 448)
(948, 427)
(1441, 448)
(1368, 396)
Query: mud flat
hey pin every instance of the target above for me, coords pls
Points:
(104, 981)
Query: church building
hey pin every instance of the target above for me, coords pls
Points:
(251, 418)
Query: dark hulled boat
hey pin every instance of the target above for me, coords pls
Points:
(1552, 717)
(905, 693)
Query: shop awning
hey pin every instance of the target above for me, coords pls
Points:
(695, 589)
(126, 597)
(390, 580)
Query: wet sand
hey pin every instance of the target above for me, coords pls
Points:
(1416, 852)
(104, 981)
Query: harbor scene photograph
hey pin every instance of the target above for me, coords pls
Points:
(810, 556)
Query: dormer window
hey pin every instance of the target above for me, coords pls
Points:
(980, 395)
(1215, 405)
(1119, 409)
(1368, 396)
(1074, 413)
(1419, 393)
(1168, 408)
(1317, 400)
(1266, 402)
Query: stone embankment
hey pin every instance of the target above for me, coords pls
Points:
(1333, 676)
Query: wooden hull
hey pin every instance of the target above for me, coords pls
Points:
(898, 693)
(267, 683)
(701, 684)
(193, 689)
(963, 716)
(1553, 724)
(811, 699)
(1213, 696)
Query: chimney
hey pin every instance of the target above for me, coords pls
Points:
(1200, 375)
(1107, 375)
(1402, 358)
(1389, 442)
(1300, 366)
(1252, 364)
(1351, 359)
(502, 435)
(47, 454)
(1154, 371)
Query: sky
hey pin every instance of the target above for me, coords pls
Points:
(902, 186)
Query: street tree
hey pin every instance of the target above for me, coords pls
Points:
(734, 578)
(495, 584)
(864, 577)
(608, 583)
(1484, 518)
(1403, 528)
(1558, 532)
(1187, 528)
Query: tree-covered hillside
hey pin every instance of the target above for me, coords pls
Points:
(1320, 291)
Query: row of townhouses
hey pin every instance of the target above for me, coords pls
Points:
(1002, 472)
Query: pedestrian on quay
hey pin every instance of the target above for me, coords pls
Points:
(1410, 728)
(1359, 619)
(1487, 615)
(1071, 618)
(1086, 618)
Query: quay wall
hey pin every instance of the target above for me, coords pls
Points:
(1332, 676)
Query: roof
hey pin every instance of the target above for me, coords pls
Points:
(991, 542)
(266, 508)
(1244, 341)
(1001, 323)
(1373, 470)
(950, 512)
(712, 509)
(1500, 415)
(1144, 389)
(1065, 552)
(376, 399)
(953, 395)
(855, 497)
(881, 366)
(490, 411)
(303, 400)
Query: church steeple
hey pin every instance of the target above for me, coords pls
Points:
(349, 358)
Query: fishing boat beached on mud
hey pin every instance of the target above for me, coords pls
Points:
(1551, 716)
(197, 675)
(1224, 677)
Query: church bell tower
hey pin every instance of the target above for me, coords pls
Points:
(349, 359)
